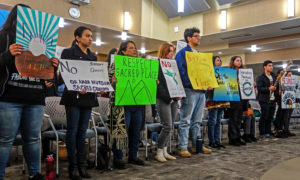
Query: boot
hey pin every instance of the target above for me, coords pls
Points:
(246, 139)
(184, 153)
(82, 171)
(160, 155)
(73, 172)
(167, 155)
(252, 137)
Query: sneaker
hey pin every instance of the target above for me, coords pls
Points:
(220, 145)
(119, 164)
(281, 134)
(213, 145)
(241, 142)
(252, 137)
(246, 138)
(206, 150)
(268, 135)
(37, 176)
(184, 153)
(136, 161)
(234, 143)
(289, 133)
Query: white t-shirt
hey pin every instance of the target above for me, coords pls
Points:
(272, 97)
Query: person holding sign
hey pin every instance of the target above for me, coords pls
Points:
(236, 109)
(215, 113)
(265, 86)
(78, 106)
(193, 105)
(22, 101)
(166, 106)
(286, 112)
(133, 118)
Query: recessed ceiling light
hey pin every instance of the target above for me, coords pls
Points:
(61, 23)
(143, 50)
(220, 52)
(254, 48)
(284, 65)
(180, 6)
(124, 36)
(98, 42)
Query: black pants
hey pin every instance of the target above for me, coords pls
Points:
(286, 115)
(279, 119)
(266, 117)
(234, 124)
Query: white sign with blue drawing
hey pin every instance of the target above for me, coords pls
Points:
(37, 32)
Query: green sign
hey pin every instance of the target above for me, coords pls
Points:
(136, 80)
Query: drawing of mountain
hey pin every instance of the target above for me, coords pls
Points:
(132, 95)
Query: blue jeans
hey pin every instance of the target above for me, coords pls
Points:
(191, 113)
(134, 123)
(27, 118)
(214, 124)
(77, 124)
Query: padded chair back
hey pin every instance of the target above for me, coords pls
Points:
(56, 111)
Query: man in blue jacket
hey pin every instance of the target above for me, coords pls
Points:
(193, 105)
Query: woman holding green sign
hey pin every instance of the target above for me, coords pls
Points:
(133, 118)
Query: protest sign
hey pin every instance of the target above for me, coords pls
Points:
(172, 76)
(246, 83)
(180, 45)
(37, 32)
(228, 85)
(89, 75)
(136, 83)
(200, 70)
(288, 97)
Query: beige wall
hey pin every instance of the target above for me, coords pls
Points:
(277, 55)
(226, 59)
(107, 13)
(195, 20)
(154, 21)
(256, 13)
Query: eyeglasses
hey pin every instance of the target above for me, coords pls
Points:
(197, 36)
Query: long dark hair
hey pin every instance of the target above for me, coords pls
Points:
(123, 46)
(10, 24)
(112, 51)
(214, 59)
(78, 32)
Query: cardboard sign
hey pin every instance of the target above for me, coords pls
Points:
(228, 89)
(200, 70)
(172, 76)
(37, 32)
(246, 83)
(136, 83)
(180, 45)
(288, 97)
(89, 75)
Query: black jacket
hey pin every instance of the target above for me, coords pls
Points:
(6, 59)
(263, 84)
(13, 87)
(162, 88)
(73, 98)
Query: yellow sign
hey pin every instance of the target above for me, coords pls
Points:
(200, 70)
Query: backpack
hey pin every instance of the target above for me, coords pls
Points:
(103, 156)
